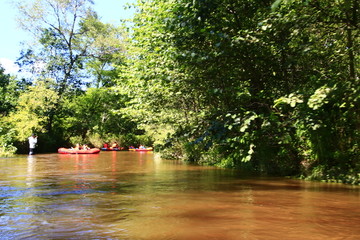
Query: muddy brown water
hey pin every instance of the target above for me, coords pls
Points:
(133, 195)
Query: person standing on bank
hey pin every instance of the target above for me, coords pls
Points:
(32, 143)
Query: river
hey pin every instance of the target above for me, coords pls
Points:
(133, 195)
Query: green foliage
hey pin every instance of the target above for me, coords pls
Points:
(97, 117)
(318, 99)
(10, 88)
(97, 110)
(105, 48)
(270, 88)
(7, 138)
(5, 102)
(33, 109)
(61, 53)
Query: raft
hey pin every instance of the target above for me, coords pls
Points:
(141, 149)
(73, 151)
(113, 149)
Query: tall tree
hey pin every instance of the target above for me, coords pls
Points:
(326, 35)
(105, 49)
(74, 48)
(55, 25)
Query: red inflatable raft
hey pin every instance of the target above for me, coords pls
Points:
(73, 151)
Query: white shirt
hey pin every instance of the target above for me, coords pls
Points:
(32, 142)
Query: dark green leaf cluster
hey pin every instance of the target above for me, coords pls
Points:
(271, 86)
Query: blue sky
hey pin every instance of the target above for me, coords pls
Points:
(110, 11)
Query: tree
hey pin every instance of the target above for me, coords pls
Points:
(55, 24)
(326, 119)
(98, 111)
(202, 60)
(106, 50)
(249, 83)
(71, 37)
(6, 103)
(9, 92)
(33, 109)
(75, 49)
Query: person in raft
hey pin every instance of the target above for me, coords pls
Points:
(32, 143)
(115, 145)
(85, 147)
(106, 145)
(77, 147)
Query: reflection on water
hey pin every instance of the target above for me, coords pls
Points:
(134, 195)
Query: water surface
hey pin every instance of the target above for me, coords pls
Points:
(134, 195)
